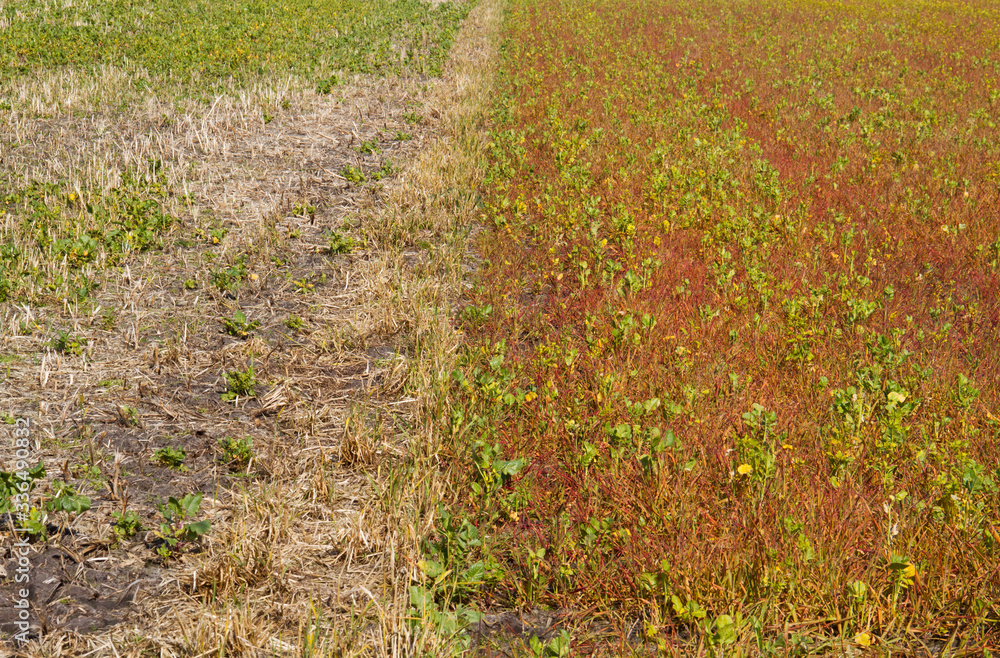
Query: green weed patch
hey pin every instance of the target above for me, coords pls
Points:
(217, 40)
(59, 237)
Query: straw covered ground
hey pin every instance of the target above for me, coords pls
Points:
(225, 293)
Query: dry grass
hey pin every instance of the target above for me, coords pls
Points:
(314, 542)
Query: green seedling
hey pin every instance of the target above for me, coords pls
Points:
(216, 235)
(170, 457)
(339, 244)
(238, 326)
(128, 416)
(237, 453)
(303, 210)
(126, 525)
(230, 278)
(175, 533)
(557, 647)
(13, 496)
(109, 319)
(304, 285)
(353, 174)
(67, 343)
(385, 170)
(65, 499)
(240, 383)
(34, 524)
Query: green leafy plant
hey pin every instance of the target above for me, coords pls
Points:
(230, 278)
(327, 85)
(386, 169)
(304, 210)
(109, 319)
(11, 495)
(964, 392)
(294, 322)
(690, 612)
(240, 383)
(66, 499)
(34, 524)
(67, 343)
(238, 326)
(303, 285)
(170, 457)
(125, 525)
(446, 621)
(477, 315)
(449, 557)
(237, 453)
(353, 174)
(128, 416)
(558, 647)
(369, 146)
(338, 243)
(65, 231)
(216, 235)
(492, 471)
(176, 532)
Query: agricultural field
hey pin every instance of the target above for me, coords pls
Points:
(730, 376)
(230, 239)
(548, 328)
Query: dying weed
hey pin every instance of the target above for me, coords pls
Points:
(730, 356)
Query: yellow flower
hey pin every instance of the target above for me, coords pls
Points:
(253, 276)
(529, 396)
(745, 469)
(909, 571)
(864, 639)
(786, 446)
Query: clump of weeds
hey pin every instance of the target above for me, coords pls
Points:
(240, 384)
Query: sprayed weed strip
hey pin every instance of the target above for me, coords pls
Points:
(731, 379)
